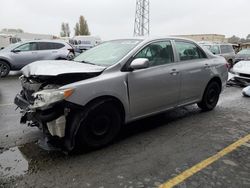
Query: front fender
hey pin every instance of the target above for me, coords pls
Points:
(112, 84)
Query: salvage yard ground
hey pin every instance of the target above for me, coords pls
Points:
(148, 153)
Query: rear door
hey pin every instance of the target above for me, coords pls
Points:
(194, 70)
(49, 50)
(25, 54)
(155, 88)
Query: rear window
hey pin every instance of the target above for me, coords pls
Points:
(49, 46)
(226, 49)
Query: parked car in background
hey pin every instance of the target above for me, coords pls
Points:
(222, 49)
(240, 74)
(85, 42)
(6, 40)
(16, 56)
(87, 101)
(242, 55)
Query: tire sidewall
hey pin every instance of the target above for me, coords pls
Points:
(8, 69)
(215, 86)
(84, 133)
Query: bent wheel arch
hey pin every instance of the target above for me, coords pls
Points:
(79, 115)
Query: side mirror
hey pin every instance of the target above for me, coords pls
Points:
(15, 51)
(140, 63)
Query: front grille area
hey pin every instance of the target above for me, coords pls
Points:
(29, 87)
(244, 75)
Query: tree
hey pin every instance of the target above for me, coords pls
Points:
(77, 29)
(83, 26)
(234, 39)
(248, 37)
(65, 30)
(242, 40)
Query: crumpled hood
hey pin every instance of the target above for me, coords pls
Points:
(57, 67)
(242, 67)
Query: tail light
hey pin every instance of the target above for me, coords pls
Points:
(72, 50)
(228, 65)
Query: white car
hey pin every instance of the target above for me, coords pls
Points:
(240, 73)
(246, 91)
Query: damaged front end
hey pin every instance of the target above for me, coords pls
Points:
(43, 105)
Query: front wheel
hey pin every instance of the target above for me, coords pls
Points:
(4, 69)
(210, 97)
(100, 127)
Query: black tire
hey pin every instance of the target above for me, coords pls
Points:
(210, 97)
(100, 127)
(4, 69)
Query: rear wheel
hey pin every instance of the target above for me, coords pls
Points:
(210, 97)
(4, 69)
(100, 127)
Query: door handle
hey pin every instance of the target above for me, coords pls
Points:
(207, 66)
(174, 72)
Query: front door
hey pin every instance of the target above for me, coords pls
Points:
(24, 54)
(155, 88)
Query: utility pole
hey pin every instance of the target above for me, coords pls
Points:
(141, 26)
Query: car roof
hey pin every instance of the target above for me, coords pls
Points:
(213, 43)
(152, 38)
(44, 40)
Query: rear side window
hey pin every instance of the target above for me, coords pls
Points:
(188, 51)
(49, 46)
(226, 49)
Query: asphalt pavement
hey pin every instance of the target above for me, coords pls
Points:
(182, 144)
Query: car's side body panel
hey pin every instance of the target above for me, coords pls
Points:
(152, 90)
(174, 75)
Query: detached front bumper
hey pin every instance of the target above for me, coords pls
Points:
(239, 79)
(52, 121)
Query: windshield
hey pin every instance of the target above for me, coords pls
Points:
(11, 46)
(108, 53)
(245, 52)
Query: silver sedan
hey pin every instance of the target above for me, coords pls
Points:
(86, 102)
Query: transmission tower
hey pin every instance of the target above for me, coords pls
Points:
(141, 27)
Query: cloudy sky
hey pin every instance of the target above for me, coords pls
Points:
(115, 18)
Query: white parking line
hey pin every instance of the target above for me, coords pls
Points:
(8, 104)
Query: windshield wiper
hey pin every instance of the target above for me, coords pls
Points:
(87, 62)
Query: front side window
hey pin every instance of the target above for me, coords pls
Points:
(32, 46)
(157, 53)
(188, 51)
(108, 53)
